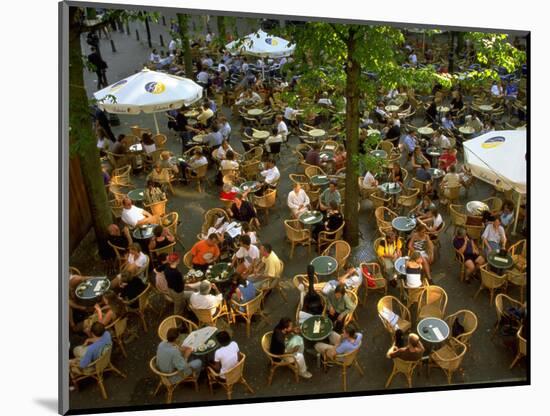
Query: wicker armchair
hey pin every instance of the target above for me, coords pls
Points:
(340, 250)
(278, 361)
(522, 347)
(265, 202)
(490, 281)
(175, 321)
(403, 367)
(502, 304)
(169, 385)
(296, 234)
(345, 361)
(449, 358)
(392, 304)
(248, 310)
(432, 303)
(468, 320)
(327, 237)
(231, 377)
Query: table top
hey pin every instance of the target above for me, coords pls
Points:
(191, 113)
(499, 261)
(92, 288)
(404, 224)
(425, 130)
(379, 153)
(311, 217)
(253, 186)
(433, 151)
(476, 207)
(326, 154)
(135, 147)
(371, 132)
(193, 276)
(486, 107)
(319, 180)
(219, 272)
(144, 232)
(433, 330)
(324, 265)
(436, 173)
(443, 109)
(255, 111)
(195, 341)
(178, 159)
(199, 138)
(466, 129)
(260, 134)
(329, 147)
(400, 265)
(391, 188)
(307, 327)
(392, 108)
(192, 122)
(316, 132)
(137, 194)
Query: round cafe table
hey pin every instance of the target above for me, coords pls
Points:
(403, 224)
(486, 108)
(199, 138)
(135, 148)
(390, 188)
(476, 207)
(392, 108)
(92, 289)
(400, 265)
(433, 330)
(324, 265)
(142, 235)
(220, 272)
(255, 112)
(203, 350)
(309, 325)
(371, 132)
(425, 131)
(382, 154)
(260, 134)
(137, 195)
(434, 152)
(319, 180)
(253, 186)
(443, 109)
(436, 173)
(310, 217)
(500, 262)
(316, 133)
(191, 113)
(466, 130)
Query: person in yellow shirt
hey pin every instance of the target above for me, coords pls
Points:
(270, 267)
(389, 250)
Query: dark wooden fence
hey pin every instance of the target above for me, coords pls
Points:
(80, 216)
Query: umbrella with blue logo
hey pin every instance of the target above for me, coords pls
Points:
(262, 45)
(148, 92)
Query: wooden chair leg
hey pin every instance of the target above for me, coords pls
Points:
(158, 388)
(516, 359)
(243, 381)
(390, 378)
(344, 378)
(102, 387)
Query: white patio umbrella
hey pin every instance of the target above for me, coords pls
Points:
(150, 92)
(262, 45)
(499, 158)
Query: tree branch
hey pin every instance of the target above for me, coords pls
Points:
(338, 32)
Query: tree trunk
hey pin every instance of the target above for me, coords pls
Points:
(187, 58)
(452, 53)
(221, 30)
(353, 71)
(148, 31)
(82, 136)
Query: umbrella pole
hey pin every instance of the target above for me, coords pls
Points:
(156, 122)
(516, 214)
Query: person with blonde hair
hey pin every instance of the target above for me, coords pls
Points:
(413, 351)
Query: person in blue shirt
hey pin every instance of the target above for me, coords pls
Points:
(349, 341)
(410, 142)
(91, 349)
(245, 291)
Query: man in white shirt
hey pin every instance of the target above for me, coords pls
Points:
(134, 216)
(247, 256)
(222, 150)
(282, 128)
(271, 174)
(203, 299)
(154, 57)
(173, 45)
(381, 113)
(203, 77)
(227, 356)
(205, 115)
(290, 114)
(440, 140)
(297, 201)
(274, 138)
(494, 236)
(368, 181)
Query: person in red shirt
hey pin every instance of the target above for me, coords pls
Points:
(447, 159)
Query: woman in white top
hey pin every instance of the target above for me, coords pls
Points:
(275, 137)
(148, 143)
(298, 201)
(368, 181)
(229, 163)
(414, 270)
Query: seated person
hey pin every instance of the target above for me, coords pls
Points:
(351, 279)
(136, 217)
(447, 159)
(298, 201)
(312, 156)
(91, 350)
(214, 139)
(275, 137)
(422, 173)
(312, 303)
(227, 356)
(242, 210)
(473, 260)
(450, 180)
(507, 214)
(423, 210)
(166, 163)
(245, 290)
(172, 357)
(246, 258)
(393, 131)
(389, 250)
(196, 161)
(421, 243)
(221, 153)
(433, 221)
(349, 341)
(396, 174)
(161, 238)
(117, 238)
(228, 192)
(270, 267)
(158, 175)
(413, 351)
(339, 306)
(229, 162)
(414, 270)
(340, 159)
(149, 145)
(205, 252)
(368, 181)
(328, 195)
(153, 193)
(203, 299)
(285, 340)
(419, 160)
(205, 114)
(134, 264)
(494, 236)
(246, 229)
(440, 140)
(270, 174)
(108, 310)
(334, 220)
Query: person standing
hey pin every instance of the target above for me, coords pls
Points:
(100, 68)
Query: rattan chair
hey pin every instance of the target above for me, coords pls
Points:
(160, 140)
(458, 216)
(118, 328)
(165, 380)
(296, 234)
(490, 281)
(250, 170)
(143, 304)
(522, 347)
(494, 203)
(303, 180)
(231, 377)
(157, 208)
(327, 237)
(175, 321)
(379, 201)
(254, 154)
(278, 361)
(313, 195)
(502, 303)
(451, 194)
(449, 358)
(170, 221)
(156, 251)
(474, 232)
(516, 278)
(384, 216)
(96, 371)
(403, 367)
(340, 250)
(248, 310)
(418, 184)
(210, 218)
(407, 200)
(411, 294)
(432, 303)
(199, 176)
(265, 202)
(121, 176)
(120, 253)
(311, 171)
(468, 319)
(377, 283)
(518, 251)
(392, 304)
(345, 361)
(209, 317)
